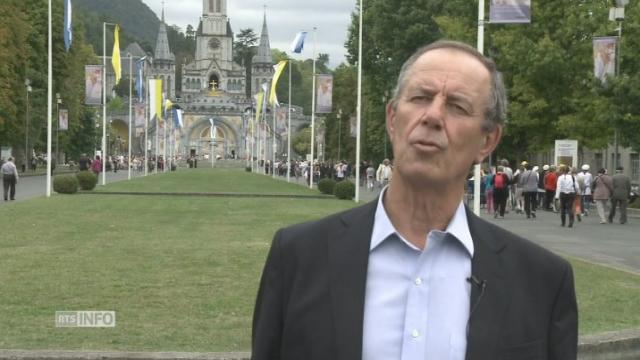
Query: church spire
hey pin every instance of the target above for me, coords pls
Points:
(163, 52)
(263, 56)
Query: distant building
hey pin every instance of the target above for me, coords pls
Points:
(212, 88)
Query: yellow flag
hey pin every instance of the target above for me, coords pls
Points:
(273, 99)
(259, 107)
(158, 102)
(115, 58)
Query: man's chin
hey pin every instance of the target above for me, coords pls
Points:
(421, 174)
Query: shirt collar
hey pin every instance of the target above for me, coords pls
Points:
(458, 227)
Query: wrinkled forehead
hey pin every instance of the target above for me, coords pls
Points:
(453, 66)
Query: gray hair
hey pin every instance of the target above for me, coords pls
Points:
(496, 111)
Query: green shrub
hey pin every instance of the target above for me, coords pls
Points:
(345, 190)
(247, 169)
(65, 184)
(87, 180)
(327, 186)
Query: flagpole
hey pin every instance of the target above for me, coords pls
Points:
(130, 105)
(164, 141)
(146, 121)
(171, 139)
(313, 107)
(49, 106)
(289, 129)
(211, 141)
(104, 102)
(476, 170)
(263, 139)
(261, 142)
(157, 152)
(258, 140)
(359, 106)
(251, 137)
(273, 135)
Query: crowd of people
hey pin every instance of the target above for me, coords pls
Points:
(370, 176)
(562, 189)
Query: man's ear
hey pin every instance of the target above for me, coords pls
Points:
(490, 141)
(390, 119)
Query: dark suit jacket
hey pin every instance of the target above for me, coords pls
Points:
(310, 304)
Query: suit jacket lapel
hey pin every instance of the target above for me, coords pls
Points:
(489, 306)
(348, 260)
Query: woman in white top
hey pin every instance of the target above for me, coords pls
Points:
(566, 192)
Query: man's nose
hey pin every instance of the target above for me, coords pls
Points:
(434, 113)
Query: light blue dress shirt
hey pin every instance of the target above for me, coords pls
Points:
(417, 301)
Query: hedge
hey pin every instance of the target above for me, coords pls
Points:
(65, 184)
(87, 180)
(327, 186)
(345, 190)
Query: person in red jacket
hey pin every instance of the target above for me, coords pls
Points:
(550, 183)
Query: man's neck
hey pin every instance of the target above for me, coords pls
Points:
(415, 212)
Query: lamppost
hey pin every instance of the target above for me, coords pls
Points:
(58, 102)
(339, 132)
(27, 83)
(617, 14)
(95, 135)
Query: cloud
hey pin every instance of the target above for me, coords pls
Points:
(284, 19)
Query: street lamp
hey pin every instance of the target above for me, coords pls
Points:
(58, 102)
(339, 132)
(27, 84)
(617, 14)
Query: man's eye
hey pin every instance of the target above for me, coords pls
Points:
(418, 98)
(458, 108)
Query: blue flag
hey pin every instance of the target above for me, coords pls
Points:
(68, 34)
(177, 117)
(298, 43)
(139, 81)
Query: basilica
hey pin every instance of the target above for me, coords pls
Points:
(212, 90)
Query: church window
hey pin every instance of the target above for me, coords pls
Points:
(218, 6)
(211, 9)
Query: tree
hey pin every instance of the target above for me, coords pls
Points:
(547, 67)
(244, 50)
(301, 142)
(339, 143)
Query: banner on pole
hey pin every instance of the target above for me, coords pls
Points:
(604, 57)
(324, 93)
(93, 84)
(510, 11)
(566, 152)
(139, 114)
(281, 121)
(320, 134)
(68, 28)
(63, 119)
(353, 126)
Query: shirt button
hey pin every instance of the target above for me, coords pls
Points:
(418, 281)
(415, 333)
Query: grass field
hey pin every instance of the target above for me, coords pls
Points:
(200, 180)
(181, 272)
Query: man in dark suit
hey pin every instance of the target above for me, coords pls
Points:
(620, 195)
(416, 275)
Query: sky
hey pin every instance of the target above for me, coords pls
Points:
(284, 19)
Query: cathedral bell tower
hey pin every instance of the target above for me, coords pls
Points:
(214, 44)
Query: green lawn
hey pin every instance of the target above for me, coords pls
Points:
(181, 272)
(209, 180)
